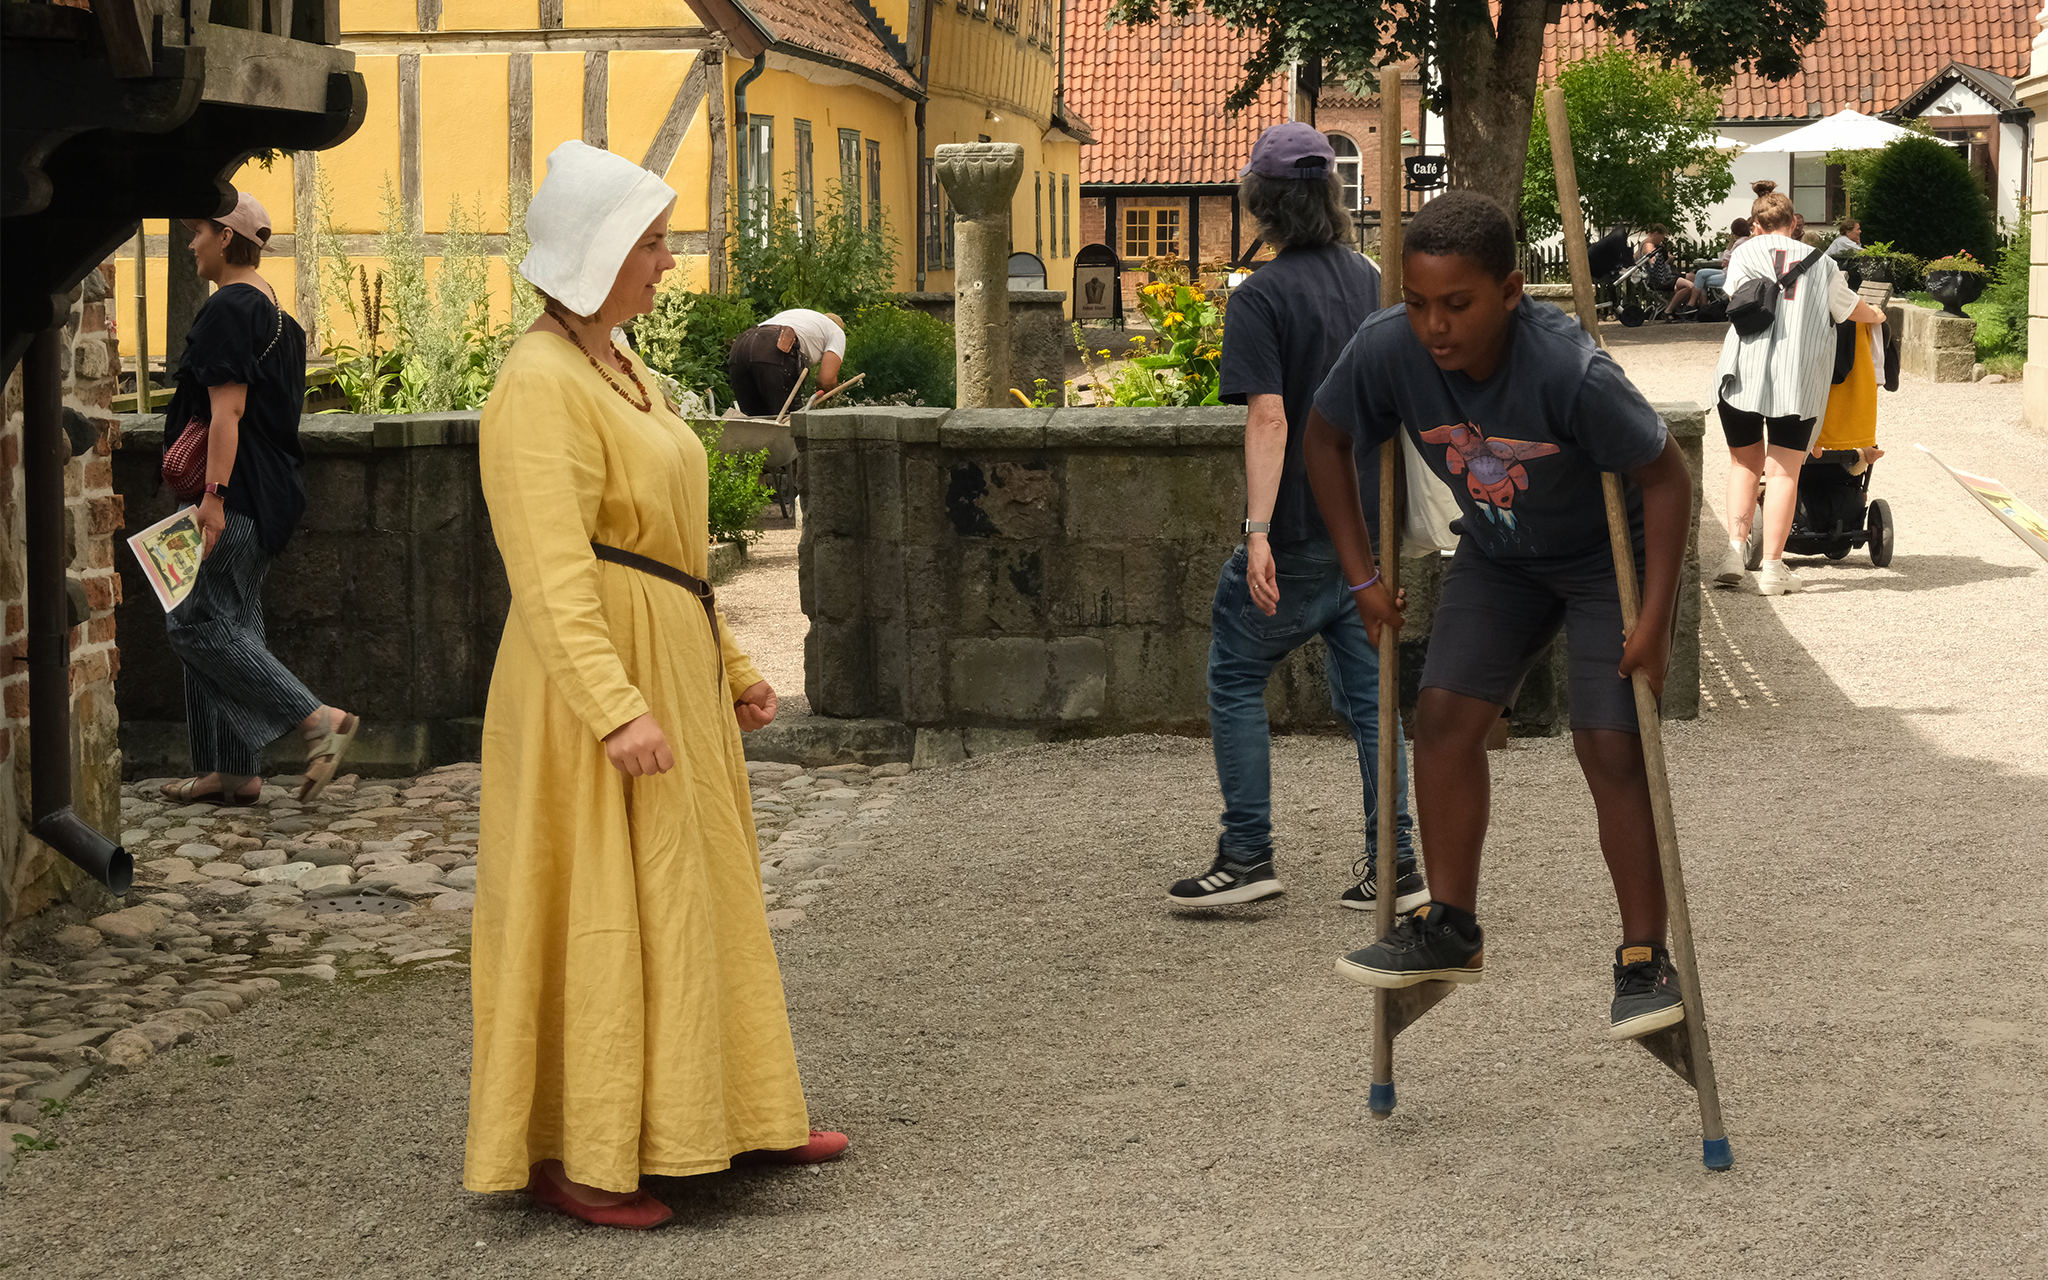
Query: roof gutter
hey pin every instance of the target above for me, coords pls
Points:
(746, 131)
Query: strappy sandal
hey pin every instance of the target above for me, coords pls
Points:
(324, 753)
(182, 793)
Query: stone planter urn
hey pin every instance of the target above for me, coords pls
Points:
(1955, 289)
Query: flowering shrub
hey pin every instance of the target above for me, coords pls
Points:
(1190, 325)
(1960, 261)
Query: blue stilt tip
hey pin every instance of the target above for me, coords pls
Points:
(1382, 1101)
(1716, 1153)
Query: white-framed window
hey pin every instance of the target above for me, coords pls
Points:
(760, 192)
(806, 202)
(1348, 168)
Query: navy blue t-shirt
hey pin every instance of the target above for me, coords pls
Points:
(1522, 450)
(1283, 331)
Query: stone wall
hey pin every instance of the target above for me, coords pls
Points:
(31, 876)
(1040, 337)
(389, 600)
(1933, 345)
(986, 578)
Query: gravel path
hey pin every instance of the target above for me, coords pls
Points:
(1046, 1072)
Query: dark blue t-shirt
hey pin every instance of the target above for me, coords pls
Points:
(1522, 450)
(1284, 328)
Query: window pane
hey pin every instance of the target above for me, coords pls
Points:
(1166, 240)
(806, 206)
(1066, 217)
(1137, 233)
(1809, 170)
(874, 183)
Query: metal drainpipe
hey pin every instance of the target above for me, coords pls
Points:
(746, 126)
(925, 197)
(45, 449)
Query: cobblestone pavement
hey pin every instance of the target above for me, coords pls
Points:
(373, 881)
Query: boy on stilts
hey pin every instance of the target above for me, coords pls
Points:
(1513, 406)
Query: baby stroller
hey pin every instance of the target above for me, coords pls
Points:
(1835, 515)
(1623, 280)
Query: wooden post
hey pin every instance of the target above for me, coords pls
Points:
(1692, 1058)
(715, 189)
(1391, 177)
(143, 396)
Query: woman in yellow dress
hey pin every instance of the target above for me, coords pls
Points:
(629, 1010)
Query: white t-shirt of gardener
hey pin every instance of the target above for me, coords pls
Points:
(816, 335)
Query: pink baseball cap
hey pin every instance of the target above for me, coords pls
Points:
(247, 219)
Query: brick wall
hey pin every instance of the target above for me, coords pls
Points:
(32, 877)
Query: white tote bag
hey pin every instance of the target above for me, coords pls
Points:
(1431, 506)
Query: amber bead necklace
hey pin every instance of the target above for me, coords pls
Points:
(646, 404)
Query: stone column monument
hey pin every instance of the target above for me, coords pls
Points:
(980, 177)
(2032, 90)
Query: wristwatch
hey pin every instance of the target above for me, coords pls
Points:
(1258, 526)
(218, 489)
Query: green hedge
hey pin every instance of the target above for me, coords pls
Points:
(1920, 195)
(906, 355)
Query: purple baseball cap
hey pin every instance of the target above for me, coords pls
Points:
(1291, 150)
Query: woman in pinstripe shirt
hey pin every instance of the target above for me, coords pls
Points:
(1773, 385)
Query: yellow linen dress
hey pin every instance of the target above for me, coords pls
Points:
(629, 1010)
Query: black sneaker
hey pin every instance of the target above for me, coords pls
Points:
(1227, 883)
(1420, 947)
(1646, 994)
(1410, 889)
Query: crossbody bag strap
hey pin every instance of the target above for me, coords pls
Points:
(689, 582)
(1792, 273)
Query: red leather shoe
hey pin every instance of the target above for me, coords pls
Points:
(824, 1145)
(637, 1214)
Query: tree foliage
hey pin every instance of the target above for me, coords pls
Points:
(1919, 195)
(1480, 69)
(1643, 144)
(835, 263)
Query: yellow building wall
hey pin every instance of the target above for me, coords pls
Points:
(977, 69)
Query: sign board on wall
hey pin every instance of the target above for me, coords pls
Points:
(1096, 291)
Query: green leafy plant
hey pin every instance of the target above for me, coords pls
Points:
(1043, 395)
(22, 1142)
(1960, 262)
(904, 353)
(2001, 312)
(737, 494)
(1921, 196)
(55, 1106)
(836, 263)
(1190, 325)
(687, 336)
(1643, 143)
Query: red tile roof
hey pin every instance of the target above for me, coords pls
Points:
(1873, 54)
(1155, 98)
(1155, 94)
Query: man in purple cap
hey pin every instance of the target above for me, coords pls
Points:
(1287, 325)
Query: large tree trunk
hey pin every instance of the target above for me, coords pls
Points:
(1489, 81)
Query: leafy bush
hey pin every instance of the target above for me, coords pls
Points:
(737, 494)
(1920, 195)
(903, 353)
(1879, 261)
(2001, 312)
(687, 336)
(837, 264)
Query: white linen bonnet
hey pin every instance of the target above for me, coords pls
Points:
(590, 210)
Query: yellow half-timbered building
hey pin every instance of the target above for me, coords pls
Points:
(733, 102)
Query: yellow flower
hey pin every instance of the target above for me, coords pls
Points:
(1175, 317)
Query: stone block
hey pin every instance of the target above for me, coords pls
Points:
(1000, 679)
(1119, 497)
(842, 681)
(988, 742)
(926, 602)
(923, 693)
(132, 924)
(837, 589)
(881, 469)
(1212, 426)
(938, 747)
(982, 430)
(832, 497)
(806, 573)
(883, 585)
(1157, 679)
(1076, 678)
(816, 741)
(927, 483)
(1115, 428)
(998, 586)
(919, 425)
(1684, 419)
(1000, 498)
(842, 424)
(1950, 365)
(1086, 586)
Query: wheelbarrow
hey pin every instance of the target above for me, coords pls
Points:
(783, 467)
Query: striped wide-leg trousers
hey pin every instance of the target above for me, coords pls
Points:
(238, 698)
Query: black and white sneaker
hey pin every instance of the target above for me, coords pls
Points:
(1421, 947)
(1646, 996)
(1227, 883)
(1410, 889)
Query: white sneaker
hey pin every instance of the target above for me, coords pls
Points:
(1774, 579)
(1734, 567)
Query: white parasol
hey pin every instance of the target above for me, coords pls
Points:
(1846, 130)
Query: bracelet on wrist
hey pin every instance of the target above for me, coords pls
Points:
(1368, 582)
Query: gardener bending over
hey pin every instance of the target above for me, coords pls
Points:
(768, 360)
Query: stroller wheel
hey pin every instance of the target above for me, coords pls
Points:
(1632, 316)
(1880, 529)
(1836, 550)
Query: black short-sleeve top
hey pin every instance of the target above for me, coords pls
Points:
(241, 336)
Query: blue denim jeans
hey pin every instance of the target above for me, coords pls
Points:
(1244, 647)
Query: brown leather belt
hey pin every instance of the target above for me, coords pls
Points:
(689, 582)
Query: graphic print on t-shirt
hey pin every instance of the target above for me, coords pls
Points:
(1492, 467)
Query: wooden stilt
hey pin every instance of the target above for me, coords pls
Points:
(1683, 1048)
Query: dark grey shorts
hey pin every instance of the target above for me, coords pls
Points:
(1495, 617)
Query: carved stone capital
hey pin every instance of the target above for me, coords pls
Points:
(980, 177)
